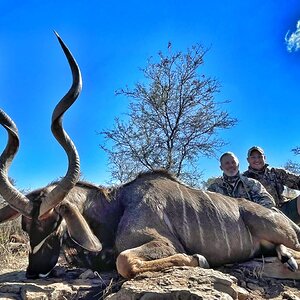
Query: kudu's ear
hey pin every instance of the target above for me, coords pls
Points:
(7, 213)
(78, 228)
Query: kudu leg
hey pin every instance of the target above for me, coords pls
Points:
(273, 227)
(286, 257)
(138, 260)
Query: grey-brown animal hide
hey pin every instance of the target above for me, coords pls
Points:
(159, 208)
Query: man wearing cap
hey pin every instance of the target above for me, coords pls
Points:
(238, 186)
(274, 180)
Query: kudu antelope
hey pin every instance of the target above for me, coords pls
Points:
(152, 223)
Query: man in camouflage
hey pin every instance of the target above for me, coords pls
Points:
(274, 180)
(238, 186)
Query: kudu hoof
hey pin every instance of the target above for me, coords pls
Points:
(291, 264)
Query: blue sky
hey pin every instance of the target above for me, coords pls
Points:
(111, 40)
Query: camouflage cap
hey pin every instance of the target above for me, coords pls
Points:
(256, 148)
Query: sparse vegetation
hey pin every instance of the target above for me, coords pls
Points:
(13, 242)
(12, 247)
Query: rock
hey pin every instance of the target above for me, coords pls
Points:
(181, 283)
(290, 296)
(88, 274)
(14, 285)
(236, 281)
(56, 291)
(243, 294)
(253, 286)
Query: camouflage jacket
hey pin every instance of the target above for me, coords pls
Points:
(274, 180)
(242, 187)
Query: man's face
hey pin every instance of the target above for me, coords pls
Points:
(229, 165)
(256, 160)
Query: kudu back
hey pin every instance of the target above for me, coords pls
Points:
(151, 223)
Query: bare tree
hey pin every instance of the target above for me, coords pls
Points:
(296, 150)
(206, 183)
(173, 118)
(293, 166)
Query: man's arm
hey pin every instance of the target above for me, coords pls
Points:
(213, 187)
(259, 194)
(216, 186)
(287, 178)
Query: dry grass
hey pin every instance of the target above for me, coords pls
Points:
(111, 283)
(13, 252)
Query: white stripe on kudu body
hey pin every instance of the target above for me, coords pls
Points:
(241, 237)
(199, 227)
(222, 225)
(185, 220)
